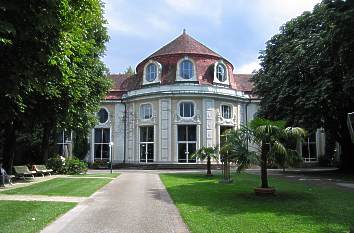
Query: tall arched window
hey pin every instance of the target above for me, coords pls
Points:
(186, 69)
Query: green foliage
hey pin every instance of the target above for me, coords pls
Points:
(98, 164)
(205, 152)
(75, 166)
(51, 68)
(57, 163)
(69, 166)
(235, 148)
(307, 72)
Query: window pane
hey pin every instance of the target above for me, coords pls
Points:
(182, 133)
(143, 134)
(102, 115)
(192, 133)
(151, 72)
(106, 136)
(226, 111)
(98, 135)
(186, 109)
(182, 158)
(150, 152)
(105, 151)
(150, 134)
(97, 152)
(191, 150)
(186, 68)
(143, 153)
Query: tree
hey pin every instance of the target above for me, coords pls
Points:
(129, 71)
(207, 153)
(234, 149)
(270, 137)
(307, 73)
(53, 76)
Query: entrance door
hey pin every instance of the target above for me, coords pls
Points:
(187, 143)
(147, 144)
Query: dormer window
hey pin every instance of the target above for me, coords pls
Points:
(221, 75)
(186, 70)
(152, 72)
(221, 72)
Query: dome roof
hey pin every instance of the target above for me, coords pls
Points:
(184, 44)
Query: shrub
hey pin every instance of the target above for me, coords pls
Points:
(57, 163)
(70, 166)
(100, 164)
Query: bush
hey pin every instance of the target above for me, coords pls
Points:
(99, 164)
(70, 166)
(57, 163)
(75, 166)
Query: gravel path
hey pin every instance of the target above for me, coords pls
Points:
(134, 202)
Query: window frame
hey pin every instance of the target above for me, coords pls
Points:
(226, 74)
(158, 72)
(141, 112)
(149, 72)
(101, 143)
(179, 70)
(108, 117)
(230, 111)
(184, 102)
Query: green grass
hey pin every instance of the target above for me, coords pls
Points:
(81, 187)
(29, 216)
(209, 206)
(108, 175)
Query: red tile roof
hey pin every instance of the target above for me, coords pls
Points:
(184, 44)
(243, 82)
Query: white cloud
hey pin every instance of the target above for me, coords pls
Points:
(247, 68)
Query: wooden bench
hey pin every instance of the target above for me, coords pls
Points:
(42, 169)
(23, 172)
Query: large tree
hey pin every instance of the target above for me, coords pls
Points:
(50, 68)
(307, 72)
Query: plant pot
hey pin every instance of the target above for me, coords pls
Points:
(264, 191)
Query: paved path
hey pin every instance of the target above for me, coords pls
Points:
(15, 197)
(134, 202)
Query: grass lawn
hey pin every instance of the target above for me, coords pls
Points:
(109, 175)
(81, 187)
(28, 216)
(209, 206)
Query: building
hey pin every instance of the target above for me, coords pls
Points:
(182, 97)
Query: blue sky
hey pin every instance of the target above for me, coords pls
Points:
(236, 29)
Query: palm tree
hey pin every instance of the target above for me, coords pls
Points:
(270, 136)
(206, 153)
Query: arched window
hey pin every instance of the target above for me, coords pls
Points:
(151, 72)
(186, 109)
(102, 116)
(221, 72)
(145, 111)
(186, 69)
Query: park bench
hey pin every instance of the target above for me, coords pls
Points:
(23, 172)
(42, 169)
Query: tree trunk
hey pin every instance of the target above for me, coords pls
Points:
(45, 142)
(10, 147)
(347, 157)
(208, 166)
(264, 176)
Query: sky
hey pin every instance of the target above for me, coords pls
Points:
(236, 29)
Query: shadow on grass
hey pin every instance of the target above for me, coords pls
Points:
(313, 205)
